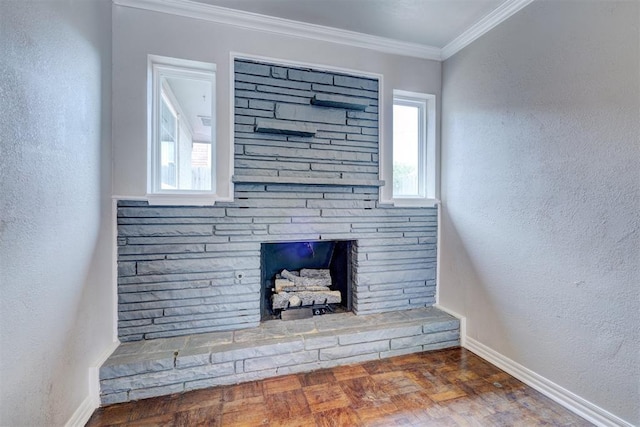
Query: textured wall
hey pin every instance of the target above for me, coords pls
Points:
(541, 175)
(55, 223)
(187, 270)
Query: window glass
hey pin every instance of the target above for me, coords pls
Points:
(408, 160)
(201, 164)
(406, 149)
(409, 147)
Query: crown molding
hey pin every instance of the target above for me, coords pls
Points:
(483, 26)
(270, 24)
(281, 26)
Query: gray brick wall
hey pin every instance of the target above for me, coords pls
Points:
(306, 124)
(184, 270)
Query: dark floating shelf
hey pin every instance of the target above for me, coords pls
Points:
(339, 101)
(285, 127)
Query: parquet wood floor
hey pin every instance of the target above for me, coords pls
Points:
(442, 388)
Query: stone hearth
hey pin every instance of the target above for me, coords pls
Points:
(143, 369)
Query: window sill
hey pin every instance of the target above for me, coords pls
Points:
(411, 203)
(189, 199)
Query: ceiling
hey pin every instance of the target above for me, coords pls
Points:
(434, 23)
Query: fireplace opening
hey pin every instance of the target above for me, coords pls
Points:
(308, 275)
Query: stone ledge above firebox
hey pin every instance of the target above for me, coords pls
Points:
(144, 369)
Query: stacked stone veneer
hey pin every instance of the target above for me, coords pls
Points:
(306, 168)
(337, 113)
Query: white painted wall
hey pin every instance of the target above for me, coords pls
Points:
(541, 176)
(138, 33)
(55, 210)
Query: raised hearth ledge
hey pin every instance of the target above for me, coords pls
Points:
(143, 369)
(248, 179)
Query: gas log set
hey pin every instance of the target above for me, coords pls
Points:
(305, 288)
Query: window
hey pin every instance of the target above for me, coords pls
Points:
(409, 120)
(413, 169)
(182, 146)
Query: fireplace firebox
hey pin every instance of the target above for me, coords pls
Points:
(315, 259)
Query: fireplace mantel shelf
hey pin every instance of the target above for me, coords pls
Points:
(249, 179)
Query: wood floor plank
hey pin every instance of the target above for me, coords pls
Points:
(408, 360)
(397, 382)
(241, 405)
(161, 420)
(338, 418)
(390, 420)
(242, 391)
(378, 366)
(303, 420)
(365, 393)
(257, 416)
(448, 388)
(150, 408)
(112, 415)
(452, 393)
(412, 401)
(287, 405)
(375, 414)
(199, 417)
(281, 384)
(342, 373)
(210, 398)
(323, 397)
(324, 376)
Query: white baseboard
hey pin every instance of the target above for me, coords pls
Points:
(82, 414)
(564, 397)
(463, 323)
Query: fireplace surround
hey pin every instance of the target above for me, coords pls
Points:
(186, 270)
(193, 282)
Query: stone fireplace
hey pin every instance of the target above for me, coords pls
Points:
(195, 283)
(189, 270)
(306, 170)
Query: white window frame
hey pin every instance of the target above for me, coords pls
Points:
(160, 67)
(428, 155)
